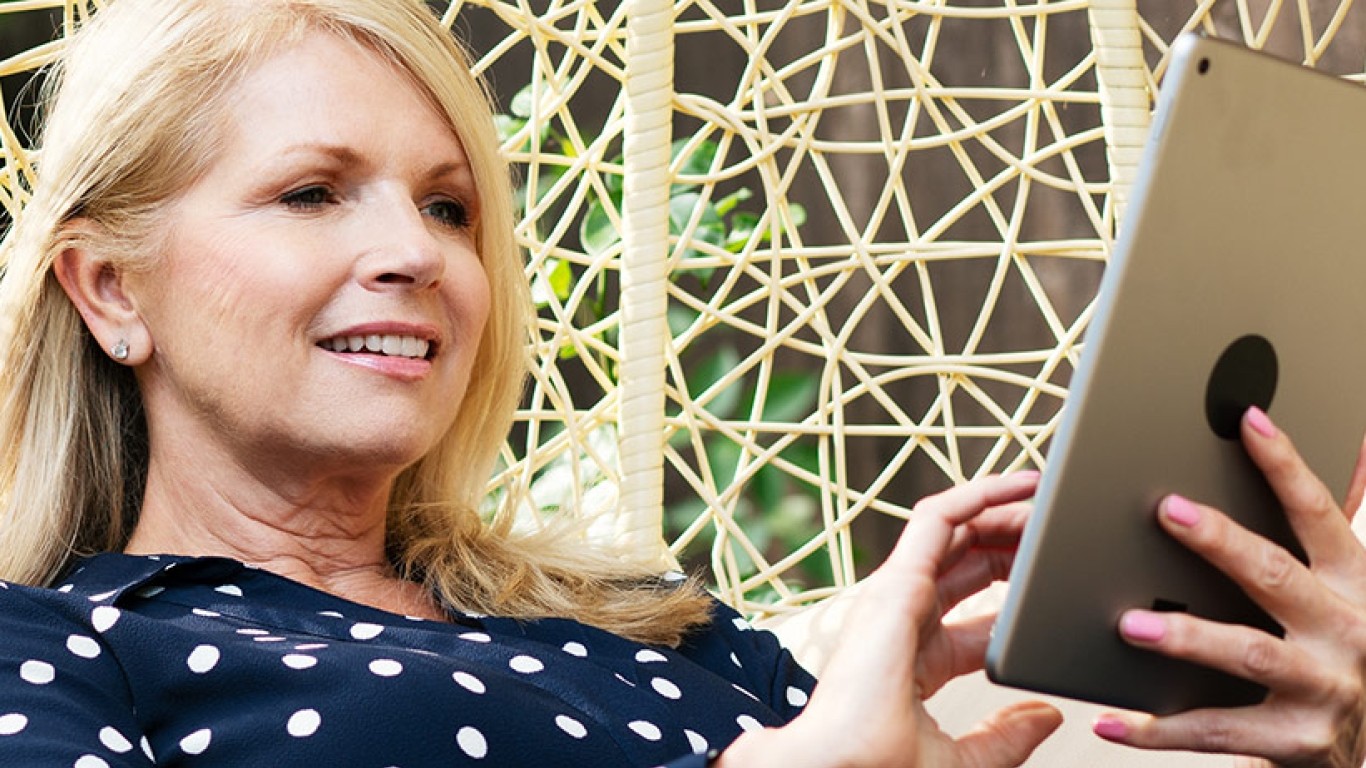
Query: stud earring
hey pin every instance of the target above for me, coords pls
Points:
(120, 350)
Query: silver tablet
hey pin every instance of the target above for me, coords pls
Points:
(1239, 278)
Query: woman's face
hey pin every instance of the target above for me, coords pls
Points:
(319, 300)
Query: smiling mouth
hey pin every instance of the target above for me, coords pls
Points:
(410, 347)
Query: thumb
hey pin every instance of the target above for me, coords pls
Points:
(1008, 737)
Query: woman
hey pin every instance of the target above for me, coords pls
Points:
(264, 331)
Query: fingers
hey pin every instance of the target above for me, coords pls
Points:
(998, 528)
(1010, 736)
(968, 640)
(1356, 487)
(927, 539)
(1323, 530)
(1270, 575)
(1237, 650)
(1258, 731)
(973, 572)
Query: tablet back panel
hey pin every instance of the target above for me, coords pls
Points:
(1249, 223)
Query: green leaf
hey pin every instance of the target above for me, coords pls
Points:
(768, 488)
(727, 204)
(797, 212)
(507, 127)
(596, 231)
(742, 226)
(791, 396)
(699, 162)
(522, 102)
(723, 456)
(680, 319)
(705, 374)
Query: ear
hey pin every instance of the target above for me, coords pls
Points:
(99, 289)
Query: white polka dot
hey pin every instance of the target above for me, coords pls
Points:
(89, 761)
(310, 646)
(115, 741)
(299, 661)
(575, 649)
(12, 723)
(65, 588)
(364, 631)
(252, 631)
(386, 668)
(202, 659)
(571, 726)
(472, 742)
(146, 748)
(645, 730)
(476, 637)
(526, 664)
(749, 723)
(697, 741)
(229, 589)
(741, 624)
(101, 597)
(83, 646)
(152, 591)
(103, 618)
(205, 613)
(796, 696)
(736, 661)
(303, 723)
(268, 639)
(624, 680)
(37, 672)
(197, 742)
(469, 682)
(333, 614)
(666, 688)
(646, 656)
(742, 690)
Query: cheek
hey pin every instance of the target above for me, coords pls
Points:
(472, 301)
(213, 302)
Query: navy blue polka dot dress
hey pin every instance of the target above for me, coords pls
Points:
(140, 661)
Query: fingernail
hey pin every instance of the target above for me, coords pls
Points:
(1110, 727)
(1181, 511)
(1142, 626)
(1260, 422)
(1027, 474)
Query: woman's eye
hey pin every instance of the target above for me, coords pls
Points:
(307, 198)
(449, 212)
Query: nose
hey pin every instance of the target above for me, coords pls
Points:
(403, 254)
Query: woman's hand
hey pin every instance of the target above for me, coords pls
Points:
(896, 649)
(1316, 674)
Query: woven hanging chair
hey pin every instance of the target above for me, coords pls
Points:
(799, 262)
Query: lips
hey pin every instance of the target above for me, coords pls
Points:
(389, 345)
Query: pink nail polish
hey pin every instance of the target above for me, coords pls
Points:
(1181, 511)
(1110, 727)
(1142, 626)
(1260, 422)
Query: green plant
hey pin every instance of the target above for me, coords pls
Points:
(776, 511)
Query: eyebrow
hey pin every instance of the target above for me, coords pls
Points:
(345, 155)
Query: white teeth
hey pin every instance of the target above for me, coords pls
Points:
(393, 346)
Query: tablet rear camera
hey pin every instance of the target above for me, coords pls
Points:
(1202, 66)
(1245, 375)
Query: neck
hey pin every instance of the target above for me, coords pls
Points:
(327, 532)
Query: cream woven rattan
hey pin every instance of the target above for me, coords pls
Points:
(876, 167)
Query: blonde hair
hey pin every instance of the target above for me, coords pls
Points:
(132, 122)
